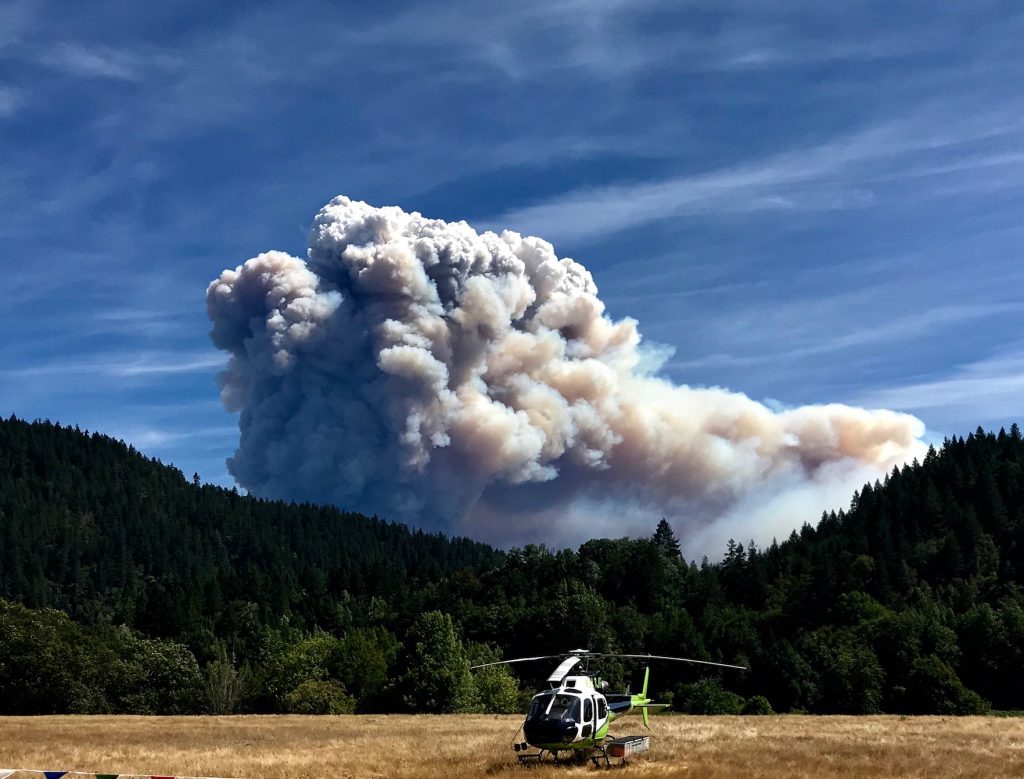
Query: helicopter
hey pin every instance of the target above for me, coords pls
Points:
(573, 715)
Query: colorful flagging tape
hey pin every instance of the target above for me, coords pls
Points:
(6, 772)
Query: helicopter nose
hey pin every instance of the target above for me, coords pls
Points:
(550, 731)
(568, 731)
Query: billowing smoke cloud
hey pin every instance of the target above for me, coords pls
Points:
(422, 371)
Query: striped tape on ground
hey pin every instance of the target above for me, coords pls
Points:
(7, 772)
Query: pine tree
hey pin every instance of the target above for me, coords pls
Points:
(665, 539)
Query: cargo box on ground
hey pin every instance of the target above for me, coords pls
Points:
(624, 746)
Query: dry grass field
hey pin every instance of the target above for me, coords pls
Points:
(783, 747)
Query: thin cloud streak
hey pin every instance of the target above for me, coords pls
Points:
(829, 176)
(85, 62)
(994, 387)
(600, 39)
(153, 364)
(899, 330)
(167, 438)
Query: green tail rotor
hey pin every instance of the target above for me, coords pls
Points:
(642, 702)
(647, 677)
(645, 704)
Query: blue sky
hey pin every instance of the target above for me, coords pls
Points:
(811, 202)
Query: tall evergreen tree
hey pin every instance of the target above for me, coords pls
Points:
(665, 539)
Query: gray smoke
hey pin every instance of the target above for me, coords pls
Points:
(419, 370)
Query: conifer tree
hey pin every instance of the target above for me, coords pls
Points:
(665, 539)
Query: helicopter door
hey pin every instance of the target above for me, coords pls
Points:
(602, 713)
(588, 718)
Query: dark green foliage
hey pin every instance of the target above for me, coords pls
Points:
(497, 690)
(149, 676)
(847, 675)
(665, 539)
(90, 526)
(757, 704)
(934, 688)
(436, 674)
(707, 697)
(224, 685)
(362, 663)
(49, 664)
(910, 601)
(319, 696)
(45, 667)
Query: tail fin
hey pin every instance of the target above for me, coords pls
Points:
(642, 702)
(643, 694)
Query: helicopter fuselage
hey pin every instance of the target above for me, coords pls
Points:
(574, 715)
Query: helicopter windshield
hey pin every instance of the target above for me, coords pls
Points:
(564, 707)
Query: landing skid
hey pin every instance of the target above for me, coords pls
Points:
(535, 758)
(601, 755)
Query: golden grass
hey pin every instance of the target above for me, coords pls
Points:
(782, 747)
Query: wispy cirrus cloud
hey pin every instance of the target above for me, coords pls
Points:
(84, 62)
(149, 364)
(101, 62)
(804, 336)
(839, 174)
(149, 437)
(991, 388)
(618, 40)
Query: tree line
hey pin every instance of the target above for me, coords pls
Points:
(129, 587)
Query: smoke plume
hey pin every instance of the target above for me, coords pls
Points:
(472, 382)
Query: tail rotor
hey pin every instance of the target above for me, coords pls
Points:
(646, 714)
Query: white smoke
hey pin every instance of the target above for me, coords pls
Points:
(422, 371)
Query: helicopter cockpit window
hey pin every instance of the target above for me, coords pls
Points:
(565, 707)
(539, 706)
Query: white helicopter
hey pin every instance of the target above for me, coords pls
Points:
(573, 715)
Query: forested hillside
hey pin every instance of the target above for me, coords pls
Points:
(92, 527)
(185, 597)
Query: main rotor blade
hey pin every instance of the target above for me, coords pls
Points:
(515, 660)
(676, 659)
